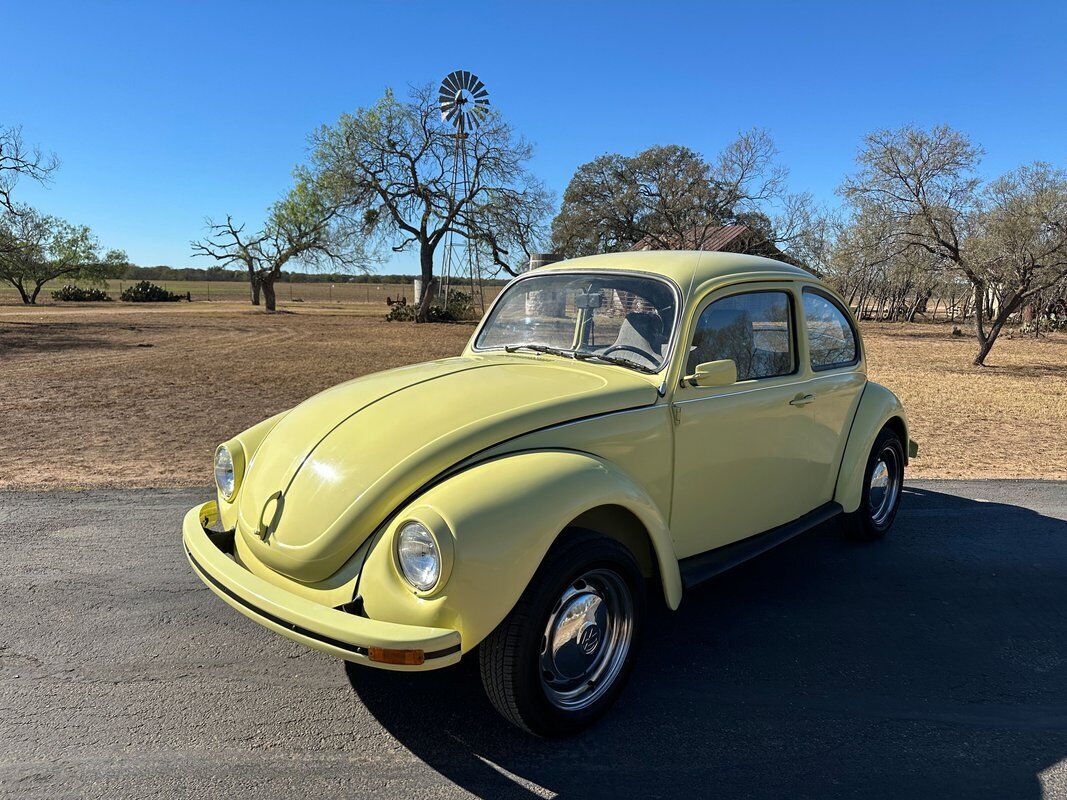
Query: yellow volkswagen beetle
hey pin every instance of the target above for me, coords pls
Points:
(617, 424)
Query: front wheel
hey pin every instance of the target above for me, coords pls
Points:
(883, 484)
(559, 660)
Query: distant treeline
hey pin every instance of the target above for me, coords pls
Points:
(165, 273)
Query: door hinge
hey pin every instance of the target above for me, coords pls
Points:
(676, 413)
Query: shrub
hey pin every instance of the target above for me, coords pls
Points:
(399, 310)
(77, 294)
(460, 306)
(146, 292)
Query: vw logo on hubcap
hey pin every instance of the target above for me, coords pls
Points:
(589, 638)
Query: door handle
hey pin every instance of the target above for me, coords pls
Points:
(802, 399)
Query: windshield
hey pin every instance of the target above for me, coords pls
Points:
(616, 318)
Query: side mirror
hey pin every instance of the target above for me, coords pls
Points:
(714, 373)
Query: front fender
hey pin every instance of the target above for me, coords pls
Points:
(249, 441)
(497, 520)
(877, 407)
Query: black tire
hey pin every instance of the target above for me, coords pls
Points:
(512, 657)
(873, 519)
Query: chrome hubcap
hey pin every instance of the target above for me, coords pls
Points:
(885, 486)
(586, 640)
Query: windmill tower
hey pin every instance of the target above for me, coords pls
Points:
(464, 103)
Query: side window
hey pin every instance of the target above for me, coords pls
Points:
(753, 329)
(830, 336)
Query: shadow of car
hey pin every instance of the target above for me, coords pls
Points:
(933, 663)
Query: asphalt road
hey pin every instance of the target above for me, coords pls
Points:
(931, 664)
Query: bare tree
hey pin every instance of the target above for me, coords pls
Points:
(1007, 240)
(1021, 247)
(17, 160)
(392, 165)
(303, 226)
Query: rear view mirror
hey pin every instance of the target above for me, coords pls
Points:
(589, 301)
(714, 373)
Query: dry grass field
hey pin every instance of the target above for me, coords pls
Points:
(138, 395)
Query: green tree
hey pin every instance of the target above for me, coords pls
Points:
(41, 248)
(672, 198)
(390, 165)
(304, 226)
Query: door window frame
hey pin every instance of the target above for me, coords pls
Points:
(786, 288)
(815, 290)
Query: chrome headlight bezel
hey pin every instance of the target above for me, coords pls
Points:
(444, 539)
(228, 461)
(415, 541)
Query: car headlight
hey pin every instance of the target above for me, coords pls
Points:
(225, 474)
(419, 556)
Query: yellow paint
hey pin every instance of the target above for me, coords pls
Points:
(497, 453)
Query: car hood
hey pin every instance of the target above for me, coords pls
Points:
(335, 466)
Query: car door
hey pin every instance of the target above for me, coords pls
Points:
(742, 452)
(838, 377)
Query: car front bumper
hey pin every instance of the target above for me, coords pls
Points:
(354, 638)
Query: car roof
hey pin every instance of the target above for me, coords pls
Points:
(687, 268)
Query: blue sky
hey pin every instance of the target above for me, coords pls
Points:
(163, 113)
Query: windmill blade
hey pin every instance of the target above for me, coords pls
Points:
(450, 83)
(463, 99)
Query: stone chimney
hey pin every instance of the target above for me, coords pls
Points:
(542, 259)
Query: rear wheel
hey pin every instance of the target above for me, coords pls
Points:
(559, 660)
(883, 483)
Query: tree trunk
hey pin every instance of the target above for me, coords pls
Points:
(986, 342)
(254, 288)
(268, 294)
(429, 286)
(36, 291)
(22, 293)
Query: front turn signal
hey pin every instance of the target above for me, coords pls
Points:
(386, 655)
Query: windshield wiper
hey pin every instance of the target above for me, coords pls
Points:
(619, 360)
(539, 348)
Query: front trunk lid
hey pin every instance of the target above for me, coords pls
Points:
(338, 464)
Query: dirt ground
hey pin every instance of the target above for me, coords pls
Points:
(138, 396)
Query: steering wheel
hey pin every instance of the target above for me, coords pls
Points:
(628, 348)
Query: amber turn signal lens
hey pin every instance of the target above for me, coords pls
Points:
(384, 655)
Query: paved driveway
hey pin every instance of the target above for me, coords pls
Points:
(932, 664)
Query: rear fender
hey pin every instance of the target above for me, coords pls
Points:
(878, 407)
(495, 522)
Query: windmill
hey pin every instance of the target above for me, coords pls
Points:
(464, 103)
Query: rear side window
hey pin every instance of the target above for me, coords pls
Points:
(830, 336)
(754, 330)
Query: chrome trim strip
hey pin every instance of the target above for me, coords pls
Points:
(746, 391)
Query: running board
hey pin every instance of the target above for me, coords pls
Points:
(704, 566)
